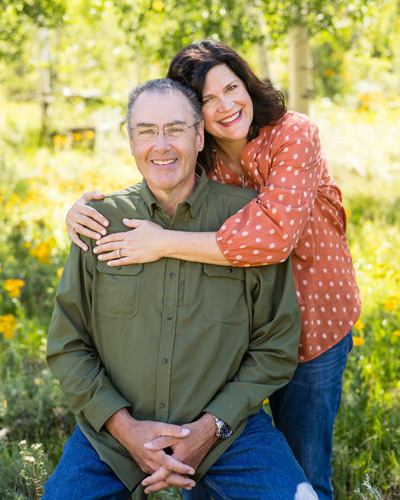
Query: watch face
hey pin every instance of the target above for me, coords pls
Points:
(225, 431)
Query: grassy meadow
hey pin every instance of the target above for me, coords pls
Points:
(37, 186)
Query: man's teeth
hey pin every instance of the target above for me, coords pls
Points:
(231, 118)
(163, 162)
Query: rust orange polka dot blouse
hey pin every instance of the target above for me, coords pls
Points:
(298, 211)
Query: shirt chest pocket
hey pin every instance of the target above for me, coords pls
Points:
(224, 294)
(118, 290)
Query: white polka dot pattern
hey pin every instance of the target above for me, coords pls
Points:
(299, 210)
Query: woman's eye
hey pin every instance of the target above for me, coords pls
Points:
(232, 87)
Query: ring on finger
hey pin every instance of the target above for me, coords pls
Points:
(73, 227)
(119, 253)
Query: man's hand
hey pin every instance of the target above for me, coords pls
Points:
(190, 450)
(132, 434)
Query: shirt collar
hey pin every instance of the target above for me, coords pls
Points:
(195, 200)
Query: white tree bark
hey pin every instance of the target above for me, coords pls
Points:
(262, 61)
(299, 68)
(45, 73)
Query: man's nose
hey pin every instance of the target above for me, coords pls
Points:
(162, 143)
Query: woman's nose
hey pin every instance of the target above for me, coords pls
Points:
(225, 103)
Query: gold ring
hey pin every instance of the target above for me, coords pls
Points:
(73, 227)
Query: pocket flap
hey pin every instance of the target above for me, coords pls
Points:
(129, 270)
(224, 271)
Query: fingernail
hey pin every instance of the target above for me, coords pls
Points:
(148, 445)
(95, 250)
(104, 232)
(185, 432)
(106, 223)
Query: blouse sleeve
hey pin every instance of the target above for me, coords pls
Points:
(267, 229)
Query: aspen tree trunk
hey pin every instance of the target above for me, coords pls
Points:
(45, 79)
(299, 92)
(262, 61)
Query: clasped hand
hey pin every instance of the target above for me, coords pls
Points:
(190, 450)
(147, 440)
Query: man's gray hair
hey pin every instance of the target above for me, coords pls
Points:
(164, 86)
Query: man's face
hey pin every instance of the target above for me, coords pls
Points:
(167, 161)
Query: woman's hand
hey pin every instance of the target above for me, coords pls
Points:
(146, 243)
(85, 220)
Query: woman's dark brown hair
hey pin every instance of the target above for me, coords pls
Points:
(190, 67)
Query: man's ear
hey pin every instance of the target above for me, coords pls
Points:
(131, 145)
(200, 135)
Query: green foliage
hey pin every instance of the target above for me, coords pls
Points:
(17, 16)
(159, 29)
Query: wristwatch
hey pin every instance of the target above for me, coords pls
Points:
(224, 430)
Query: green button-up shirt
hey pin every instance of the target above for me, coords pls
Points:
(171, 339)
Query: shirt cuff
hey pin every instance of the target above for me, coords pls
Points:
(99, 412)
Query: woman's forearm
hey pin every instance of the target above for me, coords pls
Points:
(195, 247)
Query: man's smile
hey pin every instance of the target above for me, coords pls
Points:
(164, 162)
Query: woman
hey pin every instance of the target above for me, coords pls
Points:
(253, 141)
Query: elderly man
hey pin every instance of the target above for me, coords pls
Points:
(166, 364)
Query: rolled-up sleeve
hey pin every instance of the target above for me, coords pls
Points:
(71, 353)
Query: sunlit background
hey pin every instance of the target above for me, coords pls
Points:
(66, 68)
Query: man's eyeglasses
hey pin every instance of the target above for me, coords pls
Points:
(150, 133)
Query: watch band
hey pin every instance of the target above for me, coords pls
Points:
(224, 430)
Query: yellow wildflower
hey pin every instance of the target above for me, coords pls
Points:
(358, 341)
(42, 252)
(59, 140)
(59, 272)
(13, 287)
(89, 134)
(157, 5)
(391, 305)
(8, 325)
(77, 137)
(359, 325)
(266, 401)
(27, 244)
(396, 333)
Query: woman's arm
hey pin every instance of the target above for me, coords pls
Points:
(85, 220)
(148, 242)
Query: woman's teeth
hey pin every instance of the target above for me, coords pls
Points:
(231, 118)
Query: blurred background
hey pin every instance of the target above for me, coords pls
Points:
(66, 68)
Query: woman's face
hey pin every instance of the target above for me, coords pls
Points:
(227, 106)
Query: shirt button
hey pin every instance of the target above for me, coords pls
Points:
(172, 275)
(169, 316)
(162, 405)
(164, 361)
(119, 268)
(229, 270)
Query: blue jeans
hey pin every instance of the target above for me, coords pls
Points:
(81, 475)
(304, 411)
(258, 465)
